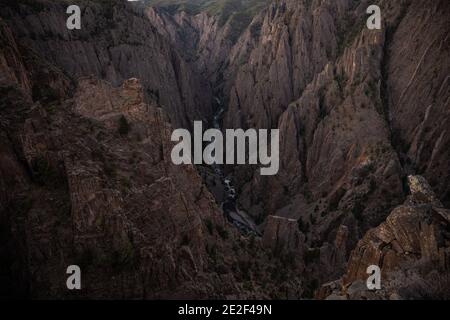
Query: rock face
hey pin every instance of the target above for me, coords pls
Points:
(411, 246)
(201, 39)
(315, 72)
(116, 42)
(294, 43)
(334, 89)
(282, 235)
(89, 182)
(414, 231)
(12, 71)
(86, 177)
(418, 92)
(205, 39)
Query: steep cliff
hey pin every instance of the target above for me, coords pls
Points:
(358, 111)
(411, 247)
(331, 86)
(205, 34)
(116, 42)
(86, 176)
(86, 179)
(202, 40)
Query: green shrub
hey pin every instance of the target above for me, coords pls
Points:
(44, 173)
(223, 233)
(124, 127)
(311, 255)
(209, 226)
(310, 287)
(302, 227)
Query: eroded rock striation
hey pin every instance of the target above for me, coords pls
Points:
(115, 43)
(411, 247)
(86, 176)
(87, 179)
(316, 72)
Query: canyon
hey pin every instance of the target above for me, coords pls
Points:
(86, 119)
(233, 148)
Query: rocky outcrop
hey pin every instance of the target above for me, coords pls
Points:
(282, 236)
(410, 247)
(116, 42)
(101, 203)
(86, 179)
(413, 231)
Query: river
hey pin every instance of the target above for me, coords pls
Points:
(232, 213)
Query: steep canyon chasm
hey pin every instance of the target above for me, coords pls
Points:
(86, 175)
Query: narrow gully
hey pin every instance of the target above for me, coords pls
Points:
(229, 204)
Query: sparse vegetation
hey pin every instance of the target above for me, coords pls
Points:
(223, 233)
(311, 255)
(302, 226)
(45, 93)
(44, 173)
(124, 126)
(109, 169)
(255, 30)
(209, 226)
(185, 240)
(357, 212)
(348, 31)
(124, 256)
(310, 287)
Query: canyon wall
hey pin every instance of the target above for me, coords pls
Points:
(86, 179)
(86, 175)
(353, 117)
(116, 42)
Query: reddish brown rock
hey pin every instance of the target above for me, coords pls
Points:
(413, 235)
(282, 235)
